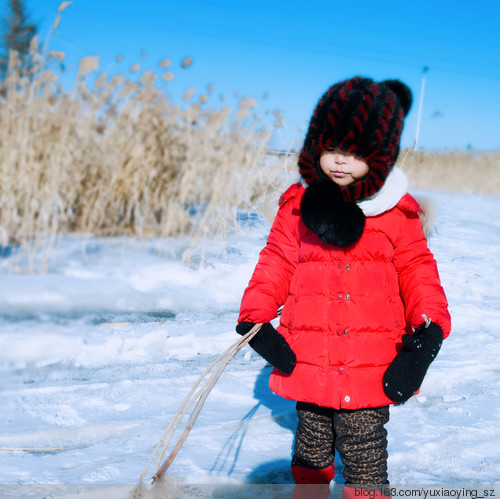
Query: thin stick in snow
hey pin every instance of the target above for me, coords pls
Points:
(220, 364)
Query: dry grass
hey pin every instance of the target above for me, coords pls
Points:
(457, 171)
(117, 157)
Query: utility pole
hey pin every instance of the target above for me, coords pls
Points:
(422, 87)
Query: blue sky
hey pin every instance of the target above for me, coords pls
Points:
(294, 50)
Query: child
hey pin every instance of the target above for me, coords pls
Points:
(364, 313)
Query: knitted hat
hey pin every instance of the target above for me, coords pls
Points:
(362, 117)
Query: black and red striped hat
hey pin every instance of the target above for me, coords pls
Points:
(362, 117)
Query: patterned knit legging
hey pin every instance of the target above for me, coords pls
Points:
(358, 435)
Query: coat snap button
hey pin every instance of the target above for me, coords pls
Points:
(347, 297)
(347, 267)
(346, 331)
(347, 398)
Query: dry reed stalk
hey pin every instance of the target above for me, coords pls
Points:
(218, 367)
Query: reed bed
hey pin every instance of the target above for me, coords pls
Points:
(116, 156)
(455, 171)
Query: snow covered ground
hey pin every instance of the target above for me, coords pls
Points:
(97, 354)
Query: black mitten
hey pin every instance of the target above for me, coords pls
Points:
(271, 345)
(407, 371)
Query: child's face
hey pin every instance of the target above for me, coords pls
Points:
(341, 167)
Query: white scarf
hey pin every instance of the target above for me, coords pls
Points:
(394, 188)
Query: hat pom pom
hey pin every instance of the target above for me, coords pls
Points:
(403, 93)
(334, 220)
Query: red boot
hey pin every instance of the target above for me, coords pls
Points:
(312, 482)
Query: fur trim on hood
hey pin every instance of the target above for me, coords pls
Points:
(427, 215)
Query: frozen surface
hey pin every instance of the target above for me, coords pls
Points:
(97, 354)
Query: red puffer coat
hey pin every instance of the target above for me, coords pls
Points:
(345, 309)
